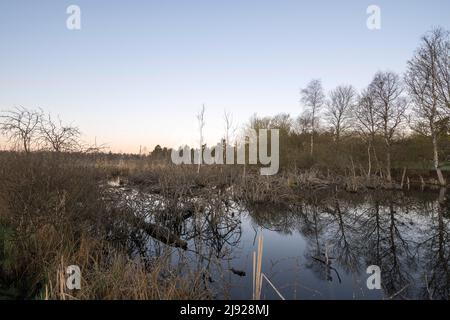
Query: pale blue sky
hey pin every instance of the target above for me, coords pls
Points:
(138, 71)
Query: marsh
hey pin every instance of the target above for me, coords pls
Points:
(405, 233)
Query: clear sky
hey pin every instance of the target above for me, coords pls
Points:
(138, 71)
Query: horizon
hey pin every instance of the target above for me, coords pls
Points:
(304, 153)
(135, 76)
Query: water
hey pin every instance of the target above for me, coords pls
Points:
(406, 234)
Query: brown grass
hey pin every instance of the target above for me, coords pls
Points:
(53, 211)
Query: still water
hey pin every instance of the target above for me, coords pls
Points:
(406, 234)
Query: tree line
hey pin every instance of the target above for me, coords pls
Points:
(393, 112)
(398, 120)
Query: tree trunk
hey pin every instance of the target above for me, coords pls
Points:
(338, 137)
(375, 157)
(388, 163)
(436, 161)
(369, 169)
(26, 145)
(312, 133)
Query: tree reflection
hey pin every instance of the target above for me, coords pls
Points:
(437, 254)
(385, 229)
(405, 233)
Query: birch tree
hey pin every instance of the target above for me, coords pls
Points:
(201, 125)
(338, 109)
(366, 125)
(427, 80)
(313, 99)
(390, 109)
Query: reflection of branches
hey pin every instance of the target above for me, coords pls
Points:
(328, 268)
(398, 275)
(387, 246)
(216, 229)
(371, 227)
(346, 255)
(437, 273)
(314, 225)
(274, 218)
(341, 235)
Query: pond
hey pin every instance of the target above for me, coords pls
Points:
(320, 246)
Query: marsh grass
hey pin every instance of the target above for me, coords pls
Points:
(57, 210)
(52, 215)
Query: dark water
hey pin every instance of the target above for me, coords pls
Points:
(406, 234)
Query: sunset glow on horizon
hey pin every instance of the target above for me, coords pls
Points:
(135, 76)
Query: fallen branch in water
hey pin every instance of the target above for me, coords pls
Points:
(164, 235)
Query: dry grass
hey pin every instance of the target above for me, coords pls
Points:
(54, 215)
(115, 276)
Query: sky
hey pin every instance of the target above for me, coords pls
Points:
(137, 72)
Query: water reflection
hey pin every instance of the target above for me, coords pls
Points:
(316, 247)
(405, 234)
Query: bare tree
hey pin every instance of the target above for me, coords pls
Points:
(93, 148)
(59, 137)
(427, 83)
(21, 126)
(313, 98)
(443, 66)
(366, 124)
(338, 113)
(282, 122)
(201, 125)
(302, 124)
(390, 109)
(230, 127)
